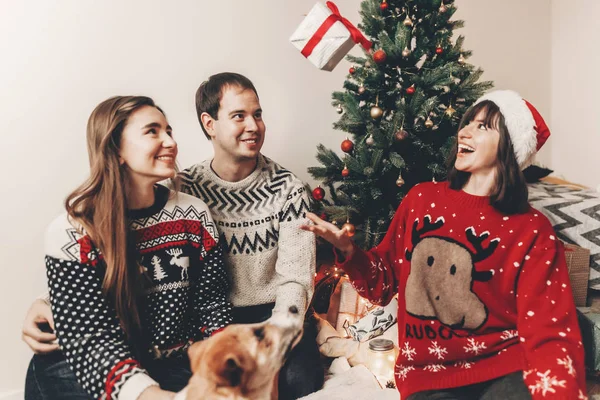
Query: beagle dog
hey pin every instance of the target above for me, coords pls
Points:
(243, 361)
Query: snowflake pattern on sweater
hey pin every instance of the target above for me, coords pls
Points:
(259, 220)
(481, 295)
(185, 295)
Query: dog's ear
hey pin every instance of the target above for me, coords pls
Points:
(195, 353)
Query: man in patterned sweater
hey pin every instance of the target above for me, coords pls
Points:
(258, 218)
(258, 207)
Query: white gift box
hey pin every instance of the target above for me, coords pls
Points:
(333, 46)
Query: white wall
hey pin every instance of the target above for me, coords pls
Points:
(575, 83)
(510, 40)
(60, 58)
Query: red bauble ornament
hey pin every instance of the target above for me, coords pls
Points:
(318, 193)
(349, 228)
(379, 56)
(411, 90)
(383, 5)
(345, 172)
(401, 135)
(439, 50)
(347, 146)
(323, 216)
(352, 70)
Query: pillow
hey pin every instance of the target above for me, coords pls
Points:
(575, 216)
(534, 173)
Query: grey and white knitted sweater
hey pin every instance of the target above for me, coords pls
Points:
(268, 257)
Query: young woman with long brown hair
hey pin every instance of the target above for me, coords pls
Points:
(485, 306)
(135, 271)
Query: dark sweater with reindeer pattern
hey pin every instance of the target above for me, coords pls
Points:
(185, 297)
(481, 294)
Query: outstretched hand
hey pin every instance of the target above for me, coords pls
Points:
(328, 231)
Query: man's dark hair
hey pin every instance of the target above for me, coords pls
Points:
(210, 93)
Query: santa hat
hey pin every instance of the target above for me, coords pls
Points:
(527, 129)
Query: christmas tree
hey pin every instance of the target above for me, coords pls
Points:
(401, 107)
(159, 273)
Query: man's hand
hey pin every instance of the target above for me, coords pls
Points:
(40, 342)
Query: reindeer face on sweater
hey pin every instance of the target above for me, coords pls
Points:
(441, 278)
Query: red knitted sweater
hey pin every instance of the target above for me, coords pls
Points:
(480, 294)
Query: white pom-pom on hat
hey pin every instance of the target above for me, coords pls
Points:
(528, 130)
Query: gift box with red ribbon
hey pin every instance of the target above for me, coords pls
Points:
(325, 37)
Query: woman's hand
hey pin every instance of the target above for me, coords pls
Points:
(39, 341)
(337, 237)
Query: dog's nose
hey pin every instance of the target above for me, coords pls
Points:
(294, 309)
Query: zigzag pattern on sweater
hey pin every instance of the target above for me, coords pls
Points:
(117, 386)
(177, 213)
(270, 236)
(175, 238)
(72, 249)
(294, 213)
(258, 196)
(247, 245)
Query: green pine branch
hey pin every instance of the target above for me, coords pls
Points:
(369, 195)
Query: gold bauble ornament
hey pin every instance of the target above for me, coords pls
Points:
(406, 52)
(370, 141)
(361, 89)
(376, 112)
(367, 64)
(339, 109)
(349, 228)
(407, 21)
(443, 8)
(461, 60)
(450, 111)
(399, 181)
(429, 123)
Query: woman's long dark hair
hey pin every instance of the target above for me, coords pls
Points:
(509, 193)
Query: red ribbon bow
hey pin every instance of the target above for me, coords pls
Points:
(356, 35)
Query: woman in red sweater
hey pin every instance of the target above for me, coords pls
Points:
(485, 305)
